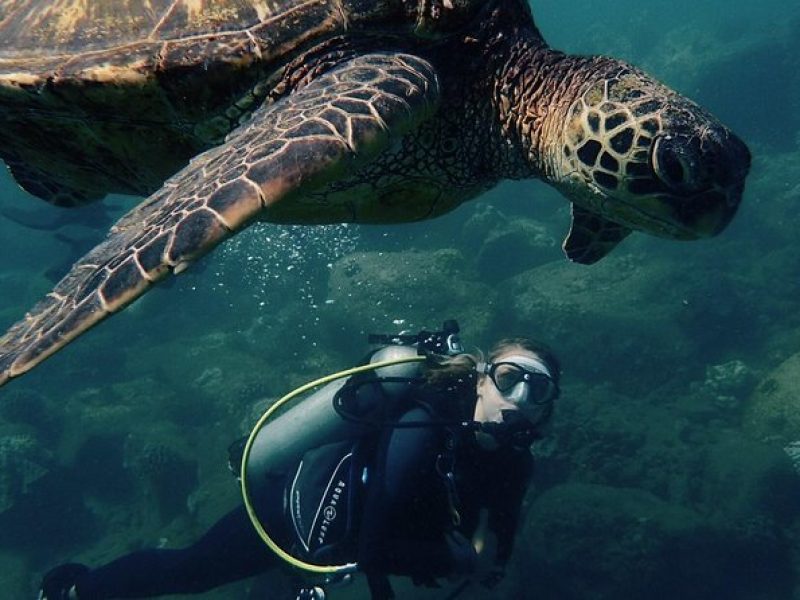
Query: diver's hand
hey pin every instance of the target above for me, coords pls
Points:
(235, 453)
(425, 580)
(311, 593)
(463, 557)
(59, 583)
(491, 579)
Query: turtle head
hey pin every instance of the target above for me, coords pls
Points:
(638, 154)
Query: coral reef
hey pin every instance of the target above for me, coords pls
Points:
(23, 461)
(164, 474)
(773, 411)
(660, 550)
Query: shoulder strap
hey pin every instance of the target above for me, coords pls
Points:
(445, 468)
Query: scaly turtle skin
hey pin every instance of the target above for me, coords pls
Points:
(321, 111)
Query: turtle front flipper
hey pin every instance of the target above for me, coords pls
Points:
(333, 125)
(591, 236)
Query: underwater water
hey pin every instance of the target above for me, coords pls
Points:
(673, 466)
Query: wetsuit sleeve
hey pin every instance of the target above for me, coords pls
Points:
(504, 511)
(404, 473)
(229, 551)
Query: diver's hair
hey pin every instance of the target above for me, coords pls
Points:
(448, 368)
(541, 350)
(439, 369)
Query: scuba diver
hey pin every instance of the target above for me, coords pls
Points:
(419, 458)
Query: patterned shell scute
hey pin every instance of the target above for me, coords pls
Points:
(39, 27)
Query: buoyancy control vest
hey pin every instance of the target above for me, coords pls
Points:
(303, 468)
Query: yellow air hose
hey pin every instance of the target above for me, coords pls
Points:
(296, 562)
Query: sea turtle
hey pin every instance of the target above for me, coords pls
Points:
(318, 111)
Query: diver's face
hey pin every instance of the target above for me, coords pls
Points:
(516, 380)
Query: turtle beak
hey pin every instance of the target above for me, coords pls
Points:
(705, 177)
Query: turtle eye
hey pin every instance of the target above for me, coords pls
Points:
(671, 170)
(676, 163)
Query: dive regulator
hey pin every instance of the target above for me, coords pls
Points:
(445, 342)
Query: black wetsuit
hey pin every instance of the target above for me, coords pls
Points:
(406, 529)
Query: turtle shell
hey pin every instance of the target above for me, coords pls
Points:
(116, 96)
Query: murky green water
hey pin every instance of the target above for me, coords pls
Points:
(666, 473)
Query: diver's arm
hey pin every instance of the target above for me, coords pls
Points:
(406, 461)
(506, 505)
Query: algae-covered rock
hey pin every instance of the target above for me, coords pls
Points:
(389, 291)
(504, 247)
(635, 322)
(746, 482)
(772, 413)
(27, 407)
(727, 384)
(23, 461)
(592, 542)
(164, 472)
(614, 319)
(681, 449)
(604, 437)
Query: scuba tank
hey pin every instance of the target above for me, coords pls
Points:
(279, 443)
(280, 440)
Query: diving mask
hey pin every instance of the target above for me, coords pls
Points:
(522, 380)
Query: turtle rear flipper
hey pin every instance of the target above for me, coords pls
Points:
(49, 189)
(335, 124)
